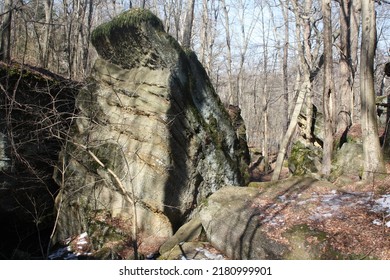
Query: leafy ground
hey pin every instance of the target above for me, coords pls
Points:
(354, 218)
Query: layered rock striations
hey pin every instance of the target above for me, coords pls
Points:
(152, 139)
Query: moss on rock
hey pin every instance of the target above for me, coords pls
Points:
(135, 38)
(126, 20)
(304, 160)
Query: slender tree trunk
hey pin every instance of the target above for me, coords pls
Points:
(231, 96)
(349, 45)
(265, 96)
(265, 149)
(87, 40)
(5, 47)
(346, 86)
(47, 33)
(204, 31)
(285, 66)
(328, 90)
(304, 88)
(189, 20)
(355, 30)
(305, 77)
(373, 158)
(307, 50)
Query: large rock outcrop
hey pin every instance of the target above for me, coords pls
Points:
(152, 139)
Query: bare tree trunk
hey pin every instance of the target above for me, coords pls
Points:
(328, 89)
(5, 47)
(355, 29)
(232, 97)
(346, 86)
(189, 20)
(285, 66)
(265, 149)
(88, 37)
(47, 33)
(306, 74)
(373, 158)
(349, 34)
(204, 32)
(246, 28)
(211, 18)
(308, 56)
(304, 88)
(265, 94)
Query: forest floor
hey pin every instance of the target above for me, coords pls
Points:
(355, 217)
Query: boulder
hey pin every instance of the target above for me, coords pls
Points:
(348, 163)
(233, 227)
(151, 141)
(190, 231)
(305, 159)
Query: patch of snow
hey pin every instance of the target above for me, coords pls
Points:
(378, 222)
(209, 255)
(382, 204)
(331, 203)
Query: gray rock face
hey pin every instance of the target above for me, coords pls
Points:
(234, 227)
(348, 162)
(152, 139)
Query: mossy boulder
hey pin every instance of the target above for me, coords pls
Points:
(304, 159)
(152, 138)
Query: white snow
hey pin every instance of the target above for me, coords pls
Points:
(382, 204)
(209, 255)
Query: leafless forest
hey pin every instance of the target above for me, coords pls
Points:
(313, 70)
(270, 57)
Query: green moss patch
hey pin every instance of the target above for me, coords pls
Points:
(126, 21)
(304, 159)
